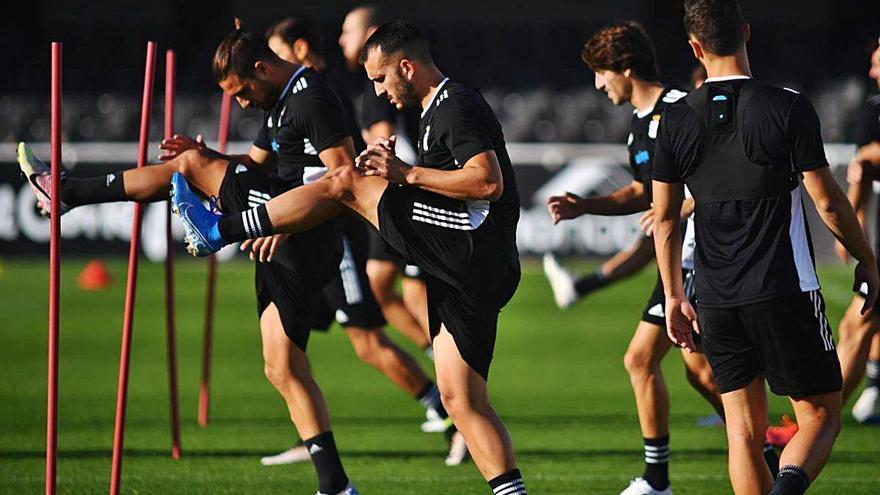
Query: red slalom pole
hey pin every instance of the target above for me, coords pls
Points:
(170, 78)
(125, 353)
(54, 274)
(207, 341)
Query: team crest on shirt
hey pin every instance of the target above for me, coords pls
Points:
(653, 126)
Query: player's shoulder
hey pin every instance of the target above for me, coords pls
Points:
(308, 84)
(771, 97)
(672, 94)
(454, 96)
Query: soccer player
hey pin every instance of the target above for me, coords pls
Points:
(378, 119)
(568, 290)
(859, 338)
(298, 40)
(622, 57)
(746, 150)
(454, 215)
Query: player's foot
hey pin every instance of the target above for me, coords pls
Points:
(298, 453)
(640, 486)
(202, 236)
(434, 423)
(779, 436)
(349, 490)
(458, 450)
(39, 176)
(865, 409)
(561, 281)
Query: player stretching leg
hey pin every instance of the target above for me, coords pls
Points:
(454, 215)
(378, 119)
(745, 149)
(622, 56)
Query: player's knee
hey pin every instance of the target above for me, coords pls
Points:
(701, 378)
(188, 163)
(341, 180)
(278, 375)
(637, 362)
(823, 420)
(367, 346)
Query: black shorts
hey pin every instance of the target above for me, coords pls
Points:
(348, 298)
(787, 339)
(301, 267)
(863, 293)
(655, 310)
(471, 273)
(380, 250)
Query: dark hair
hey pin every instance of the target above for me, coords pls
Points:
(398, 36)
(622, 46)
(376, 14)
(238, 52)
(716, 24)
(298, 27)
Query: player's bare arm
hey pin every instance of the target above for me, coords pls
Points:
(681, 319)
(840, 218)
(478, 179)
(624, 201)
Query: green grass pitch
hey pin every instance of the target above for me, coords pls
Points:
(557, 381)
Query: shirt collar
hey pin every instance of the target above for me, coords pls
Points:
(436, 92)
(290, 83)
(726, 78)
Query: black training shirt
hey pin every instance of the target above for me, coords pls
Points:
(739, 146)
(643, 135)
(307, 119)
(457, 125)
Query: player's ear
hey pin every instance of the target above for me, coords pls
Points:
(407, 68)
(261, 67)
(747, 32)
(697, 49)
(300, 49)
(627, 73)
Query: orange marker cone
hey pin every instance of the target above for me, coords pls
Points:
(95, 276)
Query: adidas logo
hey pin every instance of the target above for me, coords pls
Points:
(314, 449)
(110, 178)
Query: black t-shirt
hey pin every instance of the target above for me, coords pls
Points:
(868, 125)
(457, 125)
(643, 135)
(375, 108)
(739, 146)
(308, 118)
(339, 87)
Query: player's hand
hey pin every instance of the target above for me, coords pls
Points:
(379, 160)
(179, 143)
(841, 252)
(263, 248)
(646, 221)
(681, 322)
(867, 274)
(564, 207)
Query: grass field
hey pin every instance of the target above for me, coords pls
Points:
(557, 381)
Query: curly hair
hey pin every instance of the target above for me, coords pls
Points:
(621, 46)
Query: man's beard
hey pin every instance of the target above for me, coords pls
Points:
(406, 95)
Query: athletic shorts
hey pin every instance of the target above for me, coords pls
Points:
(655, 310)
(787, 339)
(301, 267)
(470, 274)
(348, 298)
(380, 250)
(863, 292)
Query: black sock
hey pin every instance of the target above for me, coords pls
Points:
(792, 480)
(331, 475)
(429, 397)
(772, 459)
(91, 190)
(657, 462)
(873, 372)
(585, 285)
(248, 224)
(509, 483)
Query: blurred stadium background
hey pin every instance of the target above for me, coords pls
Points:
(559, 379)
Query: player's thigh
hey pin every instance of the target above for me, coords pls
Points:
(458, 382)
(280, 355)
(648, 346)
(745, 409)
(821, 407)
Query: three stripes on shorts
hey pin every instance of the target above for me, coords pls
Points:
(458, 220)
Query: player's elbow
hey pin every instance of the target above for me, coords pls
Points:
(492, 191)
